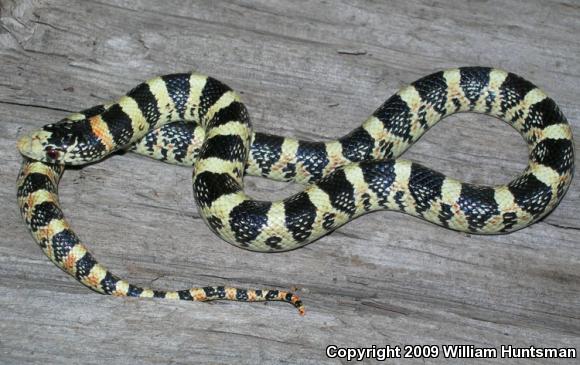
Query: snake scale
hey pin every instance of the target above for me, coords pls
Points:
(195, 120)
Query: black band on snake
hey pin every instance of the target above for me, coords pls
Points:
(190, 119)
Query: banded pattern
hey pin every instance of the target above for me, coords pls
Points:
(40, 208)
(348, 177)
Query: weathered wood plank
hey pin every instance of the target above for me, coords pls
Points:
(307, 69)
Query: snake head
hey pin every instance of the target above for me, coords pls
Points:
(61, 143)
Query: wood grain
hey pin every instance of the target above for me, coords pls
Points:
(308, 69)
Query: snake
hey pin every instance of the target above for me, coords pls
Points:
(194, 120)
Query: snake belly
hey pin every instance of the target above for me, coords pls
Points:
(349, 177)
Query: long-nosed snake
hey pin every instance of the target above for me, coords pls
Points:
(348, 177)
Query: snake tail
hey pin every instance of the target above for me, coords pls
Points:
(40, 209)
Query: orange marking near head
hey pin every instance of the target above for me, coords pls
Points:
(101, 130)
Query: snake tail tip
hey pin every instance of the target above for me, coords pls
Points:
(299, 305)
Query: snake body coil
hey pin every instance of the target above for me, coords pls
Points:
(348, 177)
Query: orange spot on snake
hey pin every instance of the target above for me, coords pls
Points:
(100, 129)
(69, 262)
(93, 281)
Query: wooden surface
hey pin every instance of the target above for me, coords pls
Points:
(313, 70)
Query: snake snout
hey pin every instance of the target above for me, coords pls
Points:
(24, 144)
(30, 146)
(35, 146)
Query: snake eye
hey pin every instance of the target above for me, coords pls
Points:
(52, 153)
